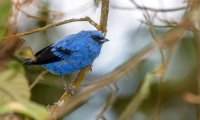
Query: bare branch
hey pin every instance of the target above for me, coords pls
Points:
(56, 24)
(138, 7)
(65, 98)
(109, 102)
(104, 16)
(150, 9)
(39, 77)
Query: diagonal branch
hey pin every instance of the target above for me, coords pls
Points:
(66, 97)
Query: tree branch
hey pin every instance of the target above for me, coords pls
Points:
(56, 24)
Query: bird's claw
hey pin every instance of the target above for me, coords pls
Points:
(90, 66)
(69, 91)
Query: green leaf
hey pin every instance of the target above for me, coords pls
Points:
(31, 109)
(5, 7)
(26, 53)
(15, 95)
(13, 84)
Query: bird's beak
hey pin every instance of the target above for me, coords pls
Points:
(104, 40)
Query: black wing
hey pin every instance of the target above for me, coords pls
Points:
(42, 50)
(46, 56)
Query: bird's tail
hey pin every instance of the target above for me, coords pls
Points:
(28, 63)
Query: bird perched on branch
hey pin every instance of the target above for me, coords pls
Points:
(69, 54)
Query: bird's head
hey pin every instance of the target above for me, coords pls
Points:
(95, 35)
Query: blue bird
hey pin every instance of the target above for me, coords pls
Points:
(69, 54)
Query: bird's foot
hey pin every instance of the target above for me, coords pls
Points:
(68, 90)
(90, 66)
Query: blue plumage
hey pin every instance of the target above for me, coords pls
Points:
(71, 53)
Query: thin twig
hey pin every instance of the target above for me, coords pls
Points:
(156, 39)
(147, 8)
(140, 95)
(39, 77)
(56, 24)
(109, 102)
(19, 6)
(158, 26)
(158, 10)
(41, 18)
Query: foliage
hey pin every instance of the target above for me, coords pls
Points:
(4, 14)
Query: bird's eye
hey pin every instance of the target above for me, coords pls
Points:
(96, 38)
